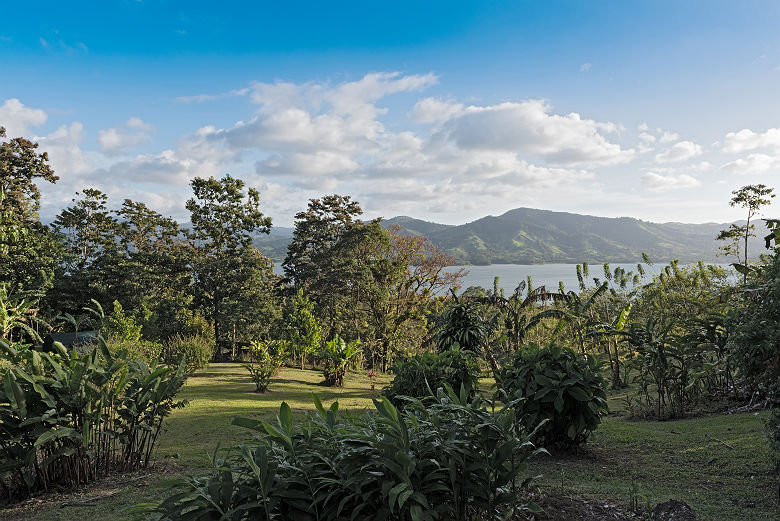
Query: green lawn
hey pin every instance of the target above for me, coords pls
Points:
(670, 459)
(223, 391)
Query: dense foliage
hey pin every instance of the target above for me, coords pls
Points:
(755, 343)
(558, 385)
(196, 350)
(69, 418)
(422, 375)
(451, 459)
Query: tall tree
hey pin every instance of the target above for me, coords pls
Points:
(88, 231)
(752, 198)
(223, 217)
(151, 267)
(316, 231)
(28, 250)
(89, 228)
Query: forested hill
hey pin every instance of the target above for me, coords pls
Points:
(530, 236)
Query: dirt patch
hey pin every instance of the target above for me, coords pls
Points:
(90, 495)
(570, 508)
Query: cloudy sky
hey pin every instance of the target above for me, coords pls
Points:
(446, 111)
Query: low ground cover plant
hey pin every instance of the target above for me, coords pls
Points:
(452, 459)
(558, 385)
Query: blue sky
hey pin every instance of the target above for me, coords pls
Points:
(446, 111)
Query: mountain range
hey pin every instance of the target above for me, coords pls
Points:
(531, 236)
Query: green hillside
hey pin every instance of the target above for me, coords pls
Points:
(530, 236)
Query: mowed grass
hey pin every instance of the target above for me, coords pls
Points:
(221, 392)
(673, 459)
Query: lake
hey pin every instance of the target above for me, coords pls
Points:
(510, 275)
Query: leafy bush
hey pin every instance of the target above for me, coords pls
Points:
(462, 324)
(452, 459)
(336, 355)
(421, 375)
(265, 360)
(301, 327)
(145, 350)
(558, 385)
(754, 341)
(196, 349)
(68, 419)
(119, 326)
(171, 318)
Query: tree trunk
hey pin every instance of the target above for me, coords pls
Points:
(216, 328)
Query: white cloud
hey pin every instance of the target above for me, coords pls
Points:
(302, 139)
(431, 110)
(18, 119)
(753, 163)
(660, 183)
(681, 151)
(119, 140)
(528, 127)
(746, 139)
(667, 137)
(585, 67)
(200, 98)
(64, 149)
(646, 137)
(139, 124)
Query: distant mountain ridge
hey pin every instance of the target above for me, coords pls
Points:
(531, 236)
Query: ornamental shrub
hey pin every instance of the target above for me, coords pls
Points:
(69, 418)
(141, 349)
(451, 459)
(421, 375)
(197, 350)
(335, 356)
(265, 359)
(558, 385)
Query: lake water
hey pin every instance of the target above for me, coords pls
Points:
(510, 275)
(548, 275)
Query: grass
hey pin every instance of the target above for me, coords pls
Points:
(673, 459)
(223, 391)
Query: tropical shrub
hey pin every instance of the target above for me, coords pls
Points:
(301, 327)
(335, 356)
(421, 375)
(67, 419)
(680, 345)
(452, 459)
(196, 349)
(462, 324)
(170, 318)
(145, 350)
(755, 342)
(265, 359)
(119, 326)
(558, 385)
